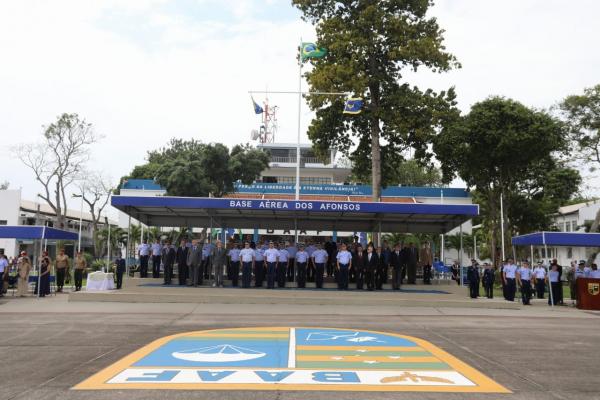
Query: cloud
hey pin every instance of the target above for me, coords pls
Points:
(146, 71)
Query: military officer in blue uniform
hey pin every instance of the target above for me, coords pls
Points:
(524, 275)
(344, 262)
(272, 258)
(301, 260)
(509, 275)
(248, 259)
(234, 264)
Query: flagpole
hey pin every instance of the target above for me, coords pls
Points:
(299, 120)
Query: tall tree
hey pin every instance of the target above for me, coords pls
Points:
(192, 168)
(59, 158)
(582, 114)
(95, 188)
(408, 172)
(503, 147)
(370, 44)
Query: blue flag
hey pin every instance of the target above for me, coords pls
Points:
(257, 109)
(353, 106)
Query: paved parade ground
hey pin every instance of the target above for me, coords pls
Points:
(49, 346)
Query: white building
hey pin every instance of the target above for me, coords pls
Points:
(139, 188)
(14, 210)
(573, 218)
(313, 171)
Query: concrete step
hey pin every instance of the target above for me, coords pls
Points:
(147, 291)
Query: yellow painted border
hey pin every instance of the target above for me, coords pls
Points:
(482, 382)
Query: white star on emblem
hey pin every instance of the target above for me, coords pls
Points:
(337, 358)
(370, 362)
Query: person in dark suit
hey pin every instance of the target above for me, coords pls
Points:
(413, 259)
(168, 255)
(358, 262)
(371, 263)
(182, 268)
(396, 263)
(473, 279)
(331, 249)
(194, 263)
(381, 269)
(387, 254)
(404, 256)
(119, 270)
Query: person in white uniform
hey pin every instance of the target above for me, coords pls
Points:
(301, 260)
(344, 262)
(524, 279)
(271, 257)
(282, 267)
(539, 276)
(319, 259)
(247, 257)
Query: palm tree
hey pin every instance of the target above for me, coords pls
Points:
(118, 236)
(153, 233)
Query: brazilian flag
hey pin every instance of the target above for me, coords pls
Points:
(311, 50)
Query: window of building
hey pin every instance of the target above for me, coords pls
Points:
(3, 222)
(574, 226)
(569, 252)
(269, 179)
(567, 227)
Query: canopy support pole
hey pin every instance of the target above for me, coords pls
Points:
(531, 251)
(296, 229)
(460, 256)
(128, 247)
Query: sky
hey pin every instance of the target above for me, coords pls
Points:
(143, 72)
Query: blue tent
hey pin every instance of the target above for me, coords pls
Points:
(575, 239)
(35, 232)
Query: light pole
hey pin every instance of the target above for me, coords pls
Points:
(80, 218)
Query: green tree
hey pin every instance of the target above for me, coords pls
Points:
(582, 114)
(408, 172)
(192, 168)
(503, 147)
(370, 45)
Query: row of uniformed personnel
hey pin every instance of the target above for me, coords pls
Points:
(278, 263)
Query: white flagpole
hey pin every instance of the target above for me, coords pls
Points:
(299, 120)
(502, 224)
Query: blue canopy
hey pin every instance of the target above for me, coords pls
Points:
(575, 239)
(35, 232)
(290, 214)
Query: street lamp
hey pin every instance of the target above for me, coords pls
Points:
(80, 218)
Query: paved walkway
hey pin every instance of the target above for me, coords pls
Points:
(49, 345)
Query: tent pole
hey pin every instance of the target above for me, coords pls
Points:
(531, 251)
(39, 267)
(127, 248)
(549, 281)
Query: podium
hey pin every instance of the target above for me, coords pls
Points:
(588, 294)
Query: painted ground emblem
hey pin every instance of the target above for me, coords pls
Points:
(292, 359)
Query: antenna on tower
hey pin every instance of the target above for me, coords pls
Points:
(269, 125)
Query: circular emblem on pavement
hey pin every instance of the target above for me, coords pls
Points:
(292, 358)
